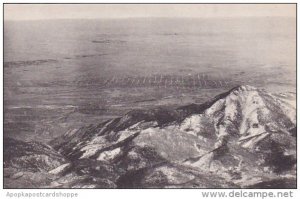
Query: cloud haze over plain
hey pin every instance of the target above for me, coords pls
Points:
(103, 11)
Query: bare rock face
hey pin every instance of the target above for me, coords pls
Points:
(245, 137)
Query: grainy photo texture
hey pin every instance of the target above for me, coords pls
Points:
(149, 96)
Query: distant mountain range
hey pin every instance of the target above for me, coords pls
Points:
(243, 138)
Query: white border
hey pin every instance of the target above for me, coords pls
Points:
(132, 194)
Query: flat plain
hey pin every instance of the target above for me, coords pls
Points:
(64, 74)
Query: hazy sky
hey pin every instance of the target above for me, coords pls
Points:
(90, 11)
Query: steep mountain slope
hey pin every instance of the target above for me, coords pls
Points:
(239, 135)
(254, 132)
(245, 137)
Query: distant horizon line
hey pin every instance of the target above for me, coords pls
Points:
(126, 18)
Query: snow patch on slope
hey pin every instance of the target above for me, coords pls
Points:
(109, 155)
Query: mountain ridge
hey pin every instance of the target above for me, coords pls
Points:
(240, 136)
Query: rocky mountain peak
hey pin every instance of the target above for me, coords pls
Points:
(240, 138)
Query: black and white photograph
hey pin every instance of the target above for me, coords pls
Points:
(149, 96)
